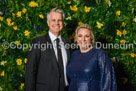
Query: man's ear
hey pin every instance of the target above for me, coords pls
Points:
(48, 22)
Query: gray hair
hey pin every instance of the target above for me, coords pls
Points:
(58, 10)
(86, 26)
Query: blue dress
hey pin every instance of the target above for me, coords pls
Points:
(91, 71)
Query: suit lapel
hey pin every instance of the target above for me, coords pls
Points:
(53, 56)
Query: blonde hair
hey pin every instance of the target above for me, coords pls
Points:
(58, 10)
(88, 27)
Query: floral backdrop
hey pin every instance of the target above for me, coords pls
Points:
(113, 22)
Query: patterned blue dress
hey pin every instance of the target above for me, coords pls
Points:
(91, 71)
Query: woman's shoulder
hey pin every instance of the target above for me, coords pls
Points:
(99, 51)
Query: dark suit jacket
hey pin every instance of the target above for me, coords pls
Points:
(42, 73)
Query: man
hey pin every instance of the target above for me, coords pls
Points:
(46, 68)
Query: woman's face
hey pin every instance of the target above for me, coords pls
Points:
(83, 38)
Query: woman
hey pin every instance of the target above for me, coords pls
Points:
(90, 69)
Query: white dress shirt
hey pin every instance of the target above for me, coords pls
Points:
(63, 51)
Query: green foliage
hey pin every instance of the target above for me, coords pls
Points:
(108, 28)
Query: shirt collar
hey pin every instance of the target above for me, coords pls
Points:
(53, 37)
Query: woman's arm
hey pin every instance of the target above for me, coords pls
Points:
(108, 80)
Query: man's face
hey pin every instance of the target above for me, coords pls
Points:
(55, 22)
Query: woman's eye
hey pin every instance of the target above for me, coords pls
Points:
(79, 35)
(87, 36)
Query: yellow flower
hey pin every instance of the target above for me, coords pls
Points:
(26, 32)
(122, 41)
(69, 2)
(71, 8)
(123, 24)
(72, 36)
(99, 25)
(124, 32)
(15, 27)
(117, 13)
(33, 4)
(17, 42)
(125, 80)
(113, 60)
(41, 16)
(87, 9)
(8, 19)
(25, 60)
(74, 8)
(13, 14)
(2, 73)
(1, 18)
(80, 23)
(3, 62)
(109, 3)
(22, 85)
(134, 19)
(1, 89)
(19, 14)
(119, 33)
(68, 18)
(10, 24)
(19, 61)
(132, 54)
(24, 10)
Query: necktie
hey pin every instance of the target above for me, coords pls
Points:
(60, 66)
